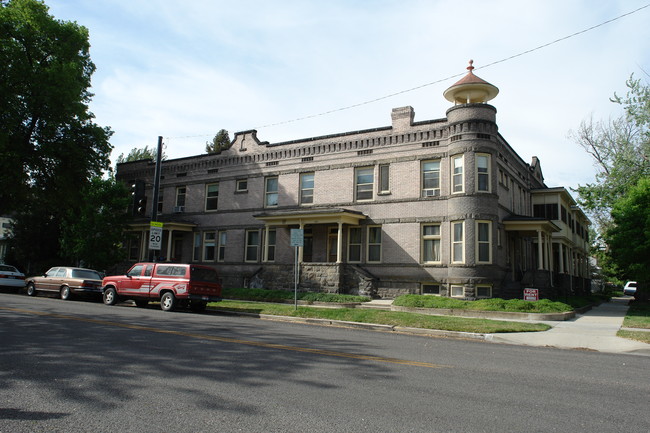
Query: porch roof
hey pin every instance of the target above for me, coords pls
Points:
(176, 226)
(311, 216)
(529, 225)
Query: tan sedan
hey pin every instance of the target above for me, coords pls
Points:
(66, 281)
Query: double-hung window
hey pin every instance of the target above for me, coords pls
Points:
(364, 180)
(384, 178)
(484, 241)
(306, 188)
(457, 242)
(270, 246)
(209, 246)
(374, 244)
(252, 245)
(180, 198)
(457, 181)
(354, 244)
(483, 173)
(211, 196)
(271, 191)
(431, 243)
(221, 254)
(430, 178)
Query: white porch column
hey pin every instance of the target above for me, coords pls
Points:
(550, 252)
(561, 252)
(265, 251)
(339, 243)
(170, 237)
(540, 251)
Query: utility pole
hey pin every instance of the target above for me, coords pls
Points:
(156, 192)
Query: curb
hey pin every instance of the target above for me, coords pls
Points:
(368, 326)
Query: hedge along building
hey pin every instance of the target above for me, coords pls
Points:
(443, 207)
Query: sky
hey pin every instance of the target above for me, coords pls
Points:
(295, 69)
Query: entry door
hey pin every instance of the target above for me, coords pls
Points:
(332, 242)
(177, 248)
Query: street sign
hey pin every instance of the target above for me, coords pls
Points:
(155, 235)
(531, 295)
(297, 237)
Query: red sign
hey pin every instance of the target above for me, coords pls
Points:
(531, 295)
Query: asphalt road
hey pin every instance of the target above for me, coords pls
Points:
(85, 367)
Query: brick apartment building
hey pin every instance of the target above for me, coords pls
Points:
(443, 207)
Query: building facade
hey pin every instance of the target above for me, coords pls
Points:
(443, 207)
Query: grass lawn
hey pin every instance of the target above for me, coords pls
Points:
(394, 318)
(638, 315)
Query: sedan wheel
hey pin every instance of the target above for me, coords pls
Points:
(31, 290)
(168, 301)
(65, 293)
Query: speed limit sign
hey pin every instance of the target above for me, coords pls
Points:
(155, 235)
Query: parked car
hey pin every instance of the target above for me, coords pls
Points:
(67, 281)
(11, 277)
(173, 284)
(630, 288)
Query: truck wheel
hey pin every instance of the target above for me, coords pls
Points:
(141, 303)
(110, 296)
(168, 301)
(31, 290)
(198, 306)
(65, 293)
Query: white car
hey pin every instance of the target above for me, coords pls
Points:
(11, 277)
(630, 288)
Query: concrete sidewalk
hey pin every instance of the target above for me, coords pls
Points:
(595, 330)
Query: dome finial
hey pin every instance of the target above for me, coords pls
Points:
(471, 65)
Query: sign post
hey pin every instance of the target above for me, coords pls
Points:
(297, 240)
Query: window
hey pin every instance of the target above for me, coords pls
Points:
(431, 289)
(457, 242)
(457, 184)
(306, 188)
(271, 192)
(384, 178)
(134, 247)
(548, 211)
(364, 178)
(431, 243)
(252, 245)
(196, 254)
(180, 198)
(354, 245)
(209, 246)
(430, 178)
(222, 246)
(270, 252)
(242, 185)
(374, 244)
(211, 196)
(160, 201)
(484, 241)
(483, 291)
(457, 291)
(483, 173)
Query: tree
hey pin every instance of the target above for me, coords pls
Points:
(628, 238)
(50, 147)
(220, 142)
(138, 154)
(620, 149)
(92, 236)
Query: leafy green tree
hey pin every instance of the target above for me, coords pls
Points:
(620, 149)
(50, 146)
(628, 238)
(220, 142)
(139, 154)
(92, 235)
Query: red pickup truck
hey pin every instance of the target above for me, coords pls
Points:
(173, 284)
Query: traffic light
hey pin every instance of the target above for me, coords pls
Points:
(139, 197)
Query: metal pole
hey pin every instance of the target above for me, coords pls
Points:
(156, 185)
(295, 279)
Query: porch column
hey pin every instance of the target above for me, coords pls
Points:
(540, 251)
(300, 249)
(549, 252)
(339, 244)
(265, 251)
(561, 251)
(170, 237)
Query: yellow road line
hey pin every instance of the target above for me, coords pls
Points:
(232, 340)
